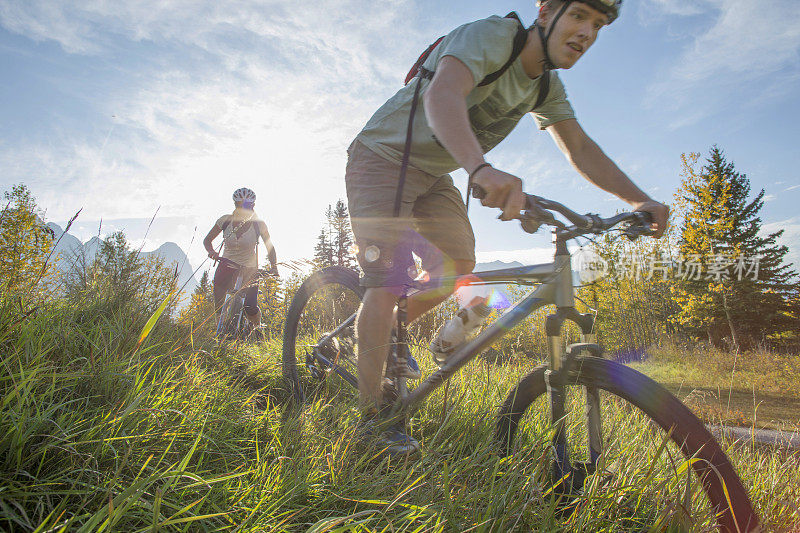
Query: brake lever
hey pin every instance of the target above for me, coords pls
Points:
(640, 227)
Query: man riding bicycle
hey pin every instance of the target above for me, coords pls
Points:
(462, 118)
(240, 233)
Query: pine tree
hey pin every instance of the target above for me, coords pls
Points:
(740, 287)
(335, 241)
(121, 278)
(342, 236)
(204, 287)
(323, 251)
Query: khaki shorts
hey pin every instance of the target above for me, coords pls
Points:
(433, 221)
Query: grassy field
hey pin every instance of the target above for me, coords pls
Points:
(183, 434)
(755, 388)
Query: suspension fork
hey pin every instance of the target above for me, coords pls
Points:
(556, 394)
(594, 426)
(556, 377)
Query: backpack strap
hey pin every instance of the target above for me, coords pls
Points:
(398, 199)
(417, 68)
(243, 228)
(544, 90)
(519, 43)
(421, 73)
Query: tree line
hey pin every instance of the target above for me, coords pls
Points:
(716, 277)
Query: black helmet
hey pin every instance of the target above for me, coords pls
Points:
(610, 7)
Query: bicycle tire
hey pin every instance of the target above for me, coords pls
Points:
(316, 284)
(687, 432)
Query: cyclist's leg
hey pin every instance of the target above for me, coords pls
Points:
(446, 244)
(384, 253)
(373, 329)
(224, 278)
(251, 310)
(422, 302)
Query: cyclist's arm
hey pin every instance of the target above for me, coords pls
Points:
(594, 165)
(273, 259)
(207, 242)
(445, 102)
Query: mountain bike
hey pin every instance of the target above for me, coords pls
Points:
(232, 322)
(576, 385)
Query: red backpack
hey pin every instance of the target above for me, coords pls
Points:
(420, 72)
(520, 39)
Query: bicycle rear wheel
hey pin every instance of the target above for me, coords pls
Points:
(624, 427)
(319, 334)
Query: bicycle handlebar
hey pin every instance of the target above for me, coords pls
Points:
(538, 211)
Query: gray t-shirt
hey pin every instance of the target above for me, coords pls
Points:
(484, 47)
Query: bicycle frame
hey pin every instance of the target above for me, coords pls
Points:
(230, 298)
(556, 288)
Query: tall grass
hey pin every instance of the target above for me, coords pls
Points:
(96, 435)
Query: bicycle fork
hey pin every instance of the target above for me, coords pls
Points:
(565, 474)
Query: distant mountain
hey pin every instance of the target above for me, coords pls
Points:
(70, 250)
(173, 255)
(497, 265)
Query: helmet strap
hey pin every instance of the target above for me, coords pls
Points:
(545, 38)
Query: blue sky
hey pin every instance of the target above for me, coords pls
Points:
(136, 108)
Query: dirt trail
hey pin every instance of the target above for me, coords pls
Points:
(771, 437)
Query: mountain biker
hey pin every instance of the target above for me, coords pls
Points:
(457, 123)
(240, 233)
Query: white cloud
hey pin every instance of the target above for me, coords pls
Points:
(671, 7)
(769, 197)
(267, 94)
(793, 187)
(749, 53)
(790, 238)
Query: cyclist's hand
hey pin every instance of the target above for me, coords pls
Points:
(659, 212)
(213, 255)
(503, 190)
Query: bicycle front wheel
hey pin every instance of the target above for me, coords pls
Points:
(319, 334)
(633, 407)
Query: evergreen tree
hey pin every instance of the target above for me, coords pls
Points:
(199, 312)
(335, 241)
(342, 236)
(204, 287)
(740, 286)
(323, 251)
(121, 278)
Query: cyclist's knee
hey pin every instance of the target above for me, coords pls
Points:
(381, 299)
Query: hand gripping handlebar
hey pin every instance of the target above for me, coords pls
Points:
(539, 210)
